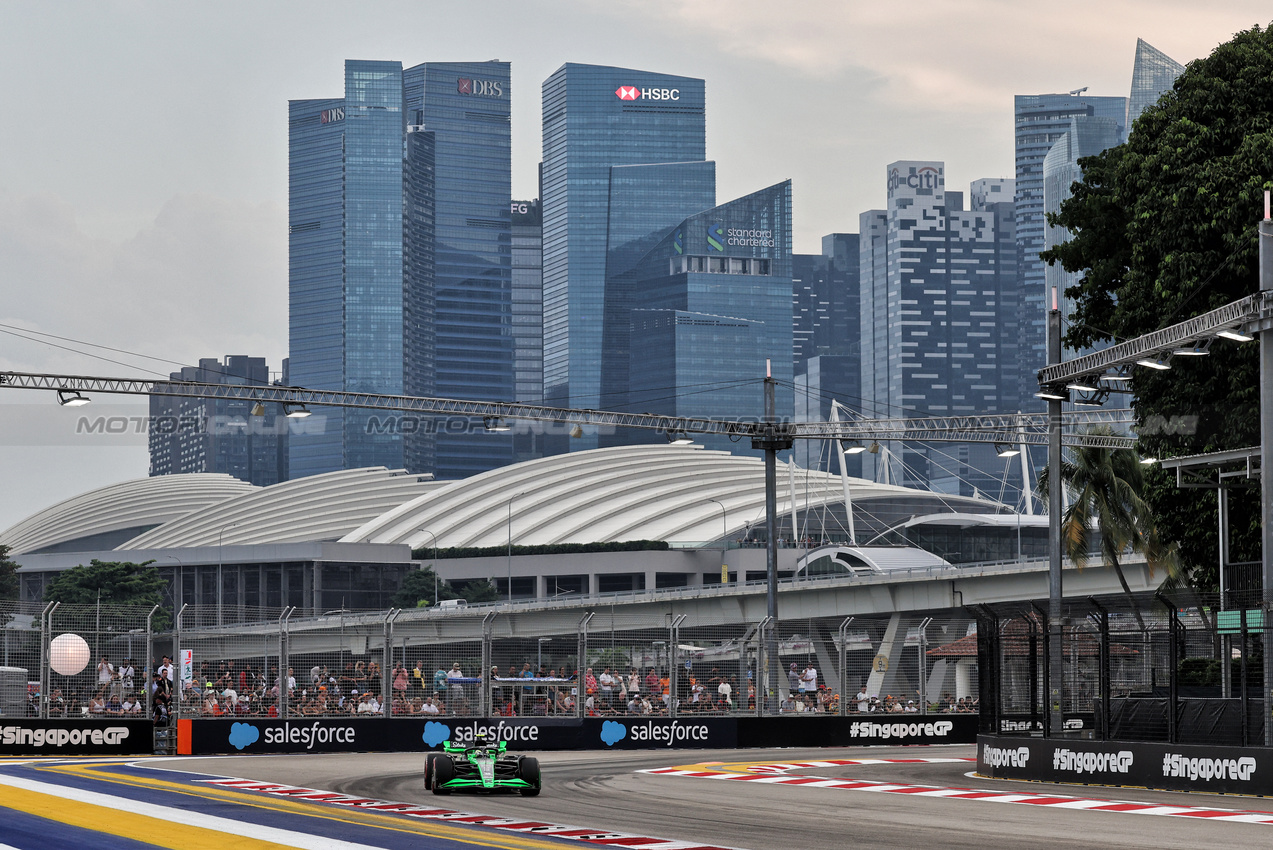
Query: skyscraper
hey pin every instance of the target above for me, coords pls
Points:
(714, 304)
(939, 334)
(1040, 121)
(827, 333)
(597, 119)
(465, 106)
(528, 322)
(400, 260)
(345, 170)
(1153, 73)
(219, 434)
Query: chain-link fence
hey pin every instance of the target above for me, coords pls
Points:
(77, 661)
(1174, 668)
(489, 661)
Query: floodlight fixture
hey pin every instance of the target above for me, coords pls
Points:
(72, 398)
(295, 410)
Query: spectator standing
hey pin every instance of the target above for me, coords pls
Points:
(104, 671)
(809, 680)
(864, 701)
(127, 674)
(607, 686)
(634, 682)
(793, 679)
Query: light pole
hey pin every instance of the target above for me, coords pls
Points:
(724, 543)
(220, 580)
(435, 562)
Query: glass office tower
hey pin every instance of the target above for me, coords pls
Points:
(1041, 120)
(596, 118)
(714, 303)
(465, 107)
(401, 266)
(345, 172)
(1153, 73)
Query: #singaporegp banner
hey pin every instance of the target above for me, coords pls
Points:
(23, 737)
(1172, 767)
(418, 734)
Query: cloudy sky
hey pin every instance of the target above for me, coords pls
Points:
(143, 145)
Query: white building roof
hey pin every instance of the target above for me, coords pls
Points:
(136, 504)
(319, 507)
(647, 492)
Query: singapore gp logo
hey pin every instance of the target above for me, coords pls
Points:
(1002, 757)
(111, 736)
(1068, 760)
(1206, 769)
(940, 728)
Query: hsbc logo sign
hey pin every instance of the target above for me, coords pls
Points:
(479, 88)
(634, 93)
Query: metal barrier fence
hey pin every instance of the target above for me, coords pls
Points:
(571, 664)
(76, 661)
(1174, 668)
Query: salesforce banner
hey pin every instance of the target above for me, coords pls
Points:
(329, 735)
(1172, 767)
(21, 737)
(417, 734)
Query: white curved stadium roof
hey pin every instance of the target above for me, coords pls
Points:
(319, 507)
(136, 504)
(647, 492)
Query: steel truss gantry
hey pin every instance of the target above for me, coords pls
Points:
(1029, 428)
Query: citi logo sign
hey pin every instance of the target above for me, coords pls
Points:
(480, 88)
(331, 116)
(634, 93)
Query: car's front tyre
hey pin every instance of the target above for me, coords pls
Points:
(443, 772)
(528, 772)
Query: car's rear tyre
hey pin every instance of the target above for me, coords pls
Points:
(528, 771)
(428, 769)
(443, 772)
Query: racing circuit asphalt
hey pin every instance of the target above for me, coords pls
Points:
(604, 790)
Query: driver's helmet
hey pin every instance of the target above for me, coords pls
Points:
(481, 739)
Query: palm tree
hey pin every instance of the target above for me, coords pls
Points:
(1107, 487)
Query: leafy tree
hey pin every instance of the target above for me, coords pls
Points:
(8, 575)
(418, 590)
(110, 582)
(1107, 486)
(478, 591)
(1164, 228)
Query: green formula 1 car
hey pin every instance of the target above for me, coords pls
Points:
(482, 766)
